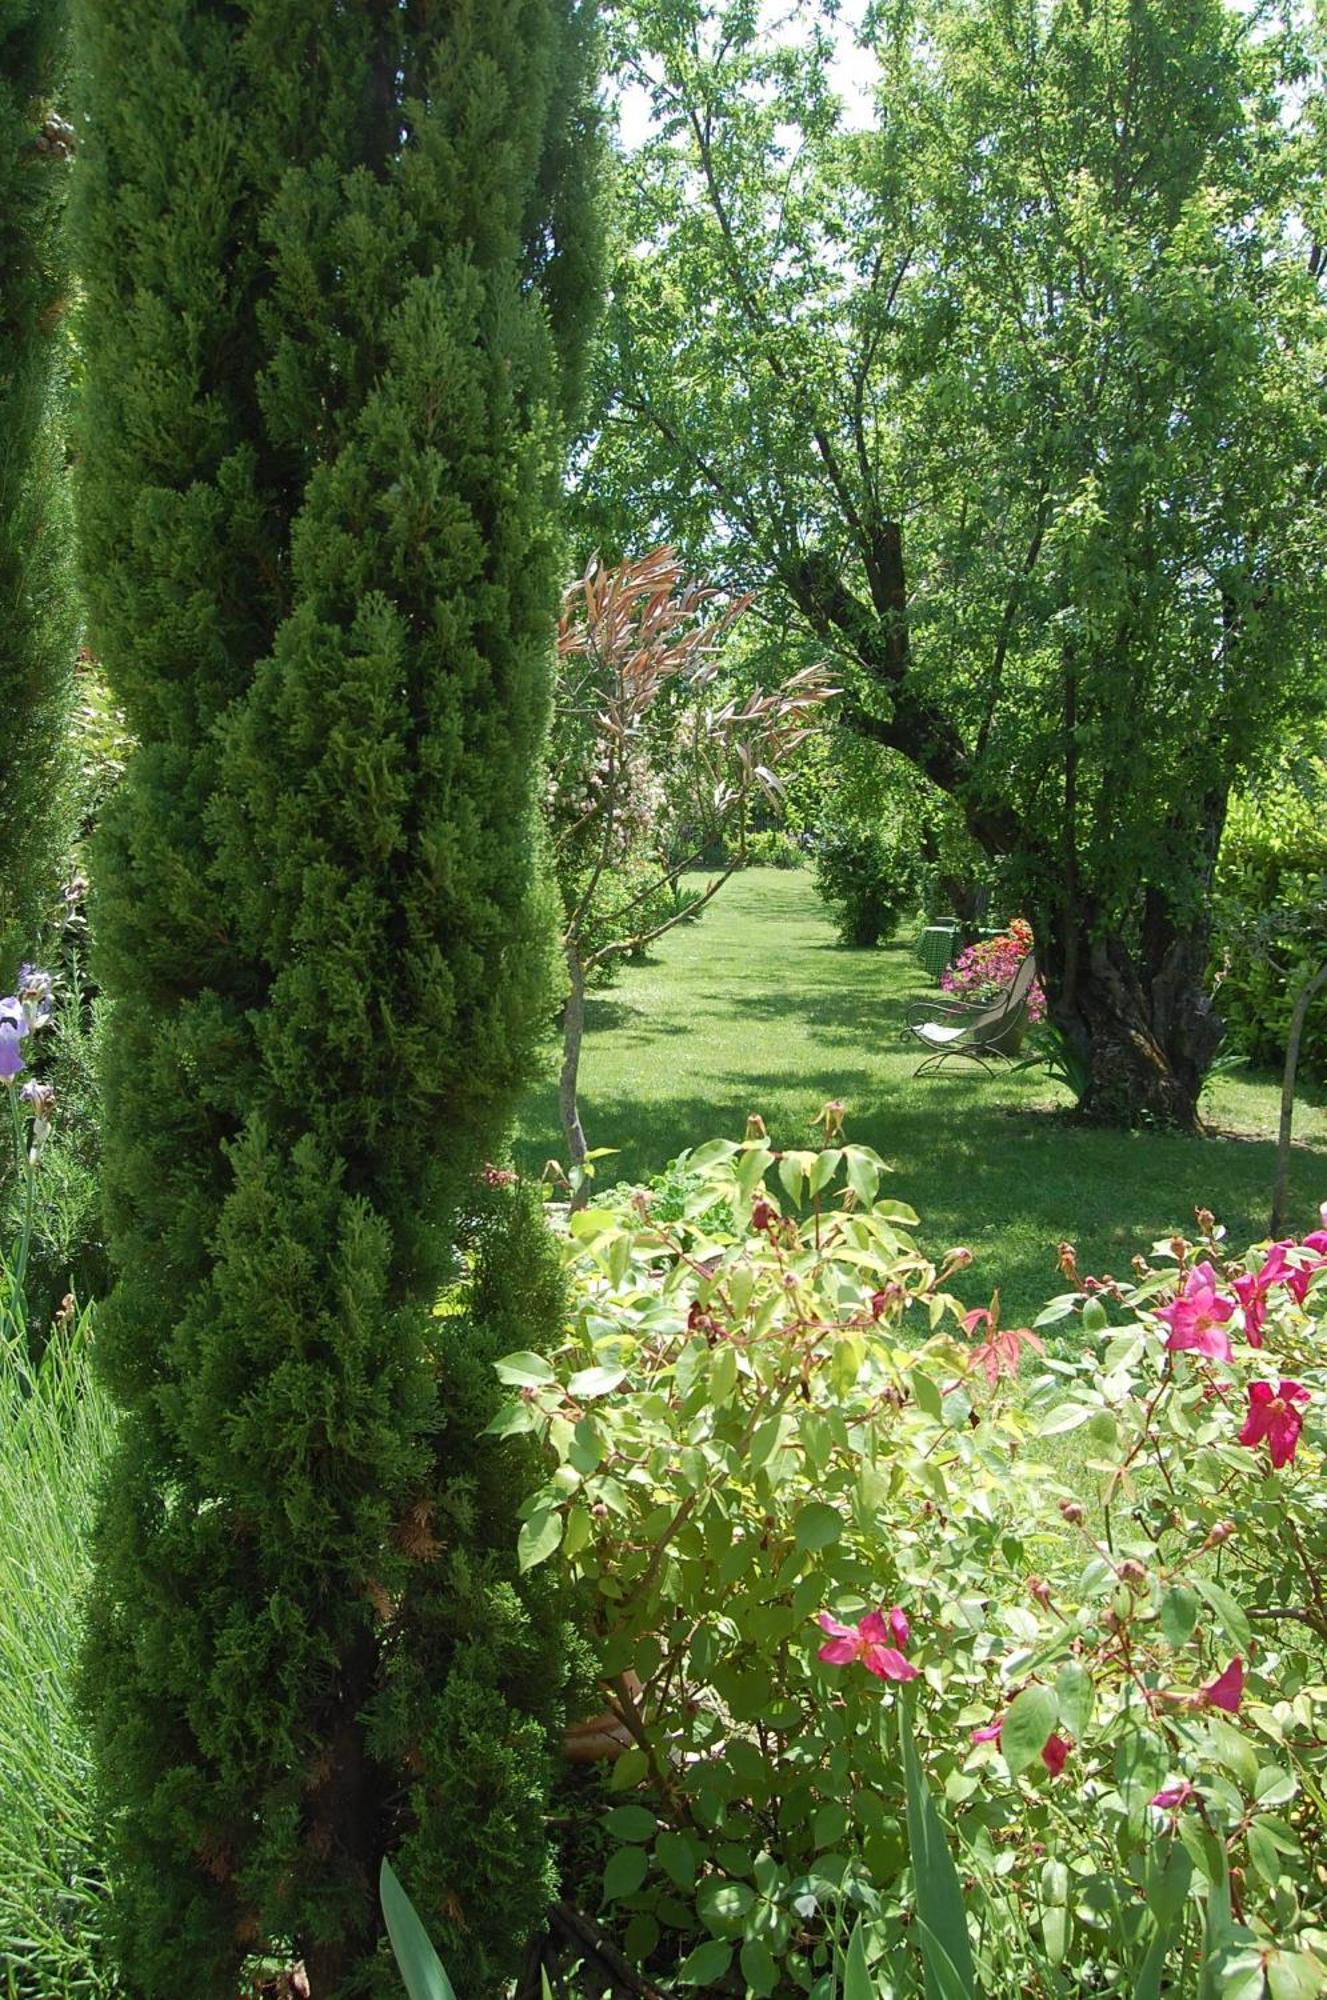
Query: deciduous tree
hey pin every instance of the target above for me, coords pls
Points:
(1012, 399)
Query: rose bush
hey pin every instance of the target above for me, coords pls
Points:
(801, 1486)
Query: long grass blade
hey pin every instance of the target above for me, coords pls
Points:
(946, 1952)
(421, 1968)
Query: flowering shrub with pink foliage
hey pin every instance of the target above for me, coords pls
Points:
(817, 1508)
(986, 969)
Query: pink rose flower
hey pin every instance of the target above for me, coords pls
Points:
(1273, 1417)
(1226, 1691)
(1197, 1318)
(869, 1641)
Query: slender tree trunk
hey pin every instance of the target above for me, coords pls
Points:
(573, 1034)
(1281, 1187)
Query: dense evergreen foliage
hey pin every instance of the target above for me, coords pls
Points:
(340, 264)
(36, 612)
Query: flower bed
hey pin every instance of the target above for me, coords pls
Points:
(986, 969)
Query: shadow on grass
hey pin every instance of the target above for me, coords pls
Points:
(603, 1015)
(1010, 1181)
(760, 1010)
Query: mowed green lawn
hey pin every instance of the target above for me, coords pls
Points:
(757, 1008)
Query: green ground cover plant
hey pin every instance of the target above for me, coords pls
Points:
(757, 1009)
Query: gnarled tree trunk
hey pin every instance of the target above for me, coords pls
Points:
(1150, 1040)
(1140, 1015)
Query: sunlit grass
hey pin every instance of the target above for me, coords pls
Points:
(757, 1008)
(55, 1429)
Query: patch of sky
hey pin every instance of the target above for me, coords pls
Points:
(851, 69)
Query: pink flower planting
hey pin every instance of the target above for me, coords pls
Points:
(1316, 1240)
(1197, 1318)
(1274, 1418)
(987, 969)
(1054, 1751)
(1301, 1276)
(1171, 1797)
(869, 1641)
(1226, 1691)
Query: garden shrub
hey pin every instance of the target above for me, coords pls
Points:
(1270, 921)
(867, 880)
(804, 1485)
(773, 847)
(339, 268)
(37, 618)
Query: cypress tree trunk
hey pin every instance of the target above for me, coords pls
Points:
(36, 607)
(339, 263)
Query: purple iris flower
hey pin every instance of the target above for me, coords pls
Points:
(11, 1051)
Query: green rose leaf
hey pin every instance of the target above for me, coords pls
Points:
(1229, 1615)
(625, 1872)
(1179, 1614)
(524, 1371)
(540, 1536)
(1029, 1720)
(723, 1905)
(677, 1857)
(706, 1965)
(758, 1968)
(595, 1382)
(631, 1823)
(1073, 1693)
(817, 1525)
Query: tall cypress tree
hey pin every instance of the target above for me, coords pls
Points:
(340, 263)
(36, 607)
